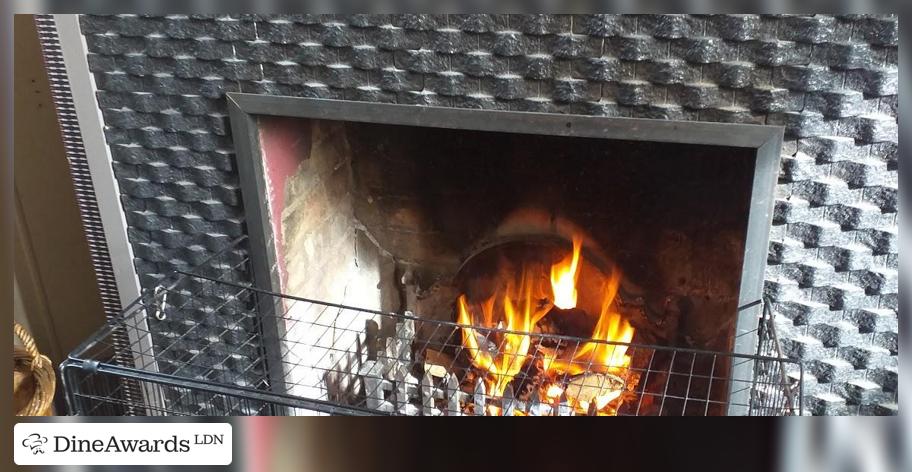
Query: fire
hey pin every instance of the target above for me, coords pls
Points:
(611, 328)
(600, 401)
(554, 391)
(502, 353)
(501, 358)
(564, 275)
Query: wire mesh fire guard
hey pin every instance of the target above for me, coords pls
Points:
(203, 343)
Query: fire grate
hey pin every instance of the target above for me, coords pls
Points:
(347, 360)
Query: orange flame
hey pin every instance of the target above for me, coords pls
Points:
(611, 328)
(554, 391)
(564, 275)
(501, 355)
(502, 358)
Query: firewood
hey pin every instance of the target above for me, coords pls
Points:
(536, 407)
(437, 363)
(546, 326)
(406, 385)
(405, 329)
(371, 337)
(562, 406)
(373, 389)
(428, 407)
(508, 402)
(593, 408)
(528, 379)
(452, 395)
(478, 397)
(587, 387)
(572, 321)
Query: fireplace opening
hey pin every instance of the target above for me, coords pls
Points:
(527, 265)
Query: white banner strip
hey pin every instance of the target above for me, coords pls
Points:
(122, 443)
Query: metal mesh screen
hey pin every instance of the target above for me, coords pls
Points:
(336, 359)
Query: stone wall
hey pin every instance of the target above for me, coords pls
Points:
(830, 80)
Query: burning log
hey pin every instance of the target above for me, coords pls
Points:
(593, 408)
(571, 320)
(437, 363)
(594, 389)
(562, 406)
(536, 407)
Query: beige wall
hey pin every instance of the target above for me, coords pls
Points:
(56, 292)
(19, 312)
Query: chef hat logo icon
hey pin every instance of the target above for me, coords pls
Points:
(35, 442)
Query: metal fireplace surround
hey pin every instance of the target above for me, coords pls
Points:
(148, 382)
(764, 141)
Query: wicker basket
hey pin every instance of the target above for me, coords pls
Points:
(34, 380)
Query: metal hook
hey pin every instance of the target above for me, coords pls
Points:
(160, 309)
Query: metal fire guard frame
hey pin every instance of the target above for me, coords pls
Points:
(369, 374)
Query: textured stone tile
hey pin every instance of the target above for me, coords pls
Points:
(831, 81)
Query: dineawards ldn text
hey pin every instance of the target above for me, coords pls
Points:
(115, 445)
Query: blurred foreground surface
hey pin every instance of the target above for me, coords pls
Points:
(844, 444)
(835, 444)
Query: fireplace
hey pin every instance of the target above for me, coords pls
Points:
(466, 262)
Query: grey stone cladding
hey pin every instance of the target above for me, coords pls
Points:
(831, 81)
